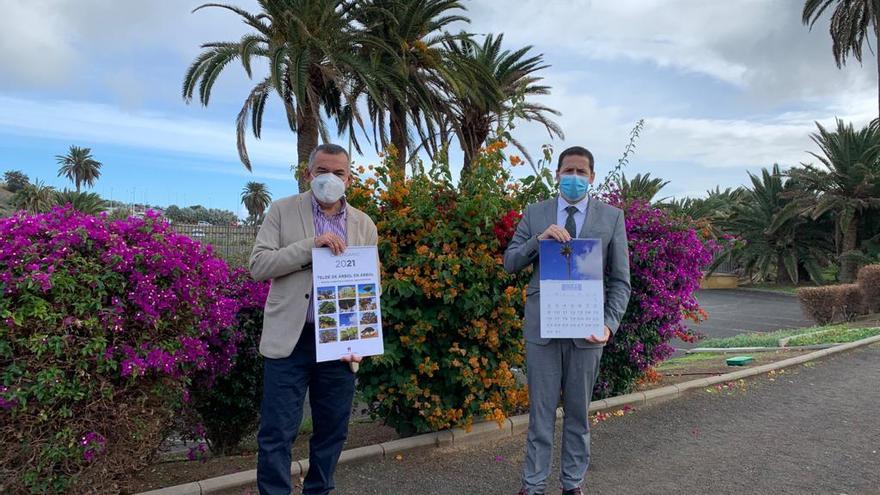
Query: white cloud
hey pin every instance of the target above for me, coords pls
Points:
(204, 141)
(758, 49)
(754, 142)
(711, 143)
(35, 45)
(756, 45)
(92, 122)
(589, 265)
(750, 141)
(74, 43)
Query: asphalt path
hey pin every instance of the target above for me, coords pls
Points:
(735, 311)
(813, 429)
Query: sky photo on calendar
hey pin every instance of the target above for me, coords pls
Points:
(580, 259)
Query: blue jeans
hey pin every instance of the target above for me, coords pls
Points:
(331, 390)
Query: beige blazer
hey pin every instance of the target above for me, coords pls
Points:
(283, 254)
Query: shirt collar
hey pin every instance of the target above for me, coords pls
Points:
(317, 207)
(581, 205)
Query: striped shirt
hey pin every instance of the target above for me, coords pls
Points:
(327, 223)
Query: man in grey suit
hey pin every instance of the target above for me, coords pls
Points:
(566, 366)
(283, 254)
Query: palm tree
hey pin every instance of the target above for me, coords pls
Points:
(847, 185)
(79, 166)
(313, 49)
(415, 68)
(478, 109)
(35, 198)
(566, 252)
(85, 202)
(777, 239)
(715, 205)
(851, 22)
(256, 198)
(706, 214)
(641, 187)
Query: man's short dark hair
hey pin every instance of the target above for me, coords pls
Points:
(330, 149)
(576, 151)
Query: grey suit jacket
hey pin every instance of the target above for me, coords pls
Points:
(603, 222)
(283, 253)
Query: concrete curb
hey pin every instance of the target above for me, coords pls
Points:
(508, 427)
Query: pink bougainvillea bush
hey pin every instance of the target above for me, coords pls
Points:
(666, 262)
(228, 405)
(102, 326)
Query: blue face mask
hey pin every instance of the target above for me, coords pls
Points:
(573, 187)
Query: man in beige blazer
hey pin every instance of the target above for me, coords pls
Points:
(283, 254)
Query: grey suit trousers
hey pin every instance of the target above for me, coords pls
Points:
(559, 366)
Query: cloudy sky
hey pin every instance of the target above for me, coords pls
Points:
(724, 88)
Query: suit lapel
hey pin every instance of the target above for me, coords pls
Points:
(550, 213)
(590, 222)
(351, 227)
(306, 215)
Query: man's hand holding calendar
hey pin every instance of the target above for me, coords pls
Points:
(594, 340)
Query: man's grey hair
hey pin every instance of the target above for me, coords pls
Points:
(330, 149)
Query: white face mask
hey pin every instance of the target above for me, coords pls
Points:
(328, 188)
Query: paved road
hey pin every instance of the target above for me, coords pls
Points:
(813, 430)
(733, 312)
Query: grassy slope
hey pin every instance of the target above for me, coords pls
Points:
(837, 334)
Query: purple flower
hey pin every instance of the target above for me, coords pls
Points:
(171, 308)
(93, 444)
(199, 452)
(4, 402)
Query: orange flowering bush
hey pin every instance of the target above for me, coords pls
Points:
(452, 315)
(453, 327)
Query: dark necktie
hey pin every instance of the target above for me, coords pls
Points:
(570, 226)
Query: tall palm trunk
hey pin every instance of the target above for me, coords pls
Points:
(782, 275)
(848, 265)
(306, 140)
(398, 134)
(472, 138)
